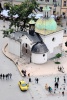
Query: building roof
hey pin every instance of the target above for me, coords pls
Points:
(31, 22)
(39, 48)
(17, 36)
(48, 24)
(48, 32)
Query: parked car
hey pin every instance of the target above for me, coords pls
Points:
(23, 85)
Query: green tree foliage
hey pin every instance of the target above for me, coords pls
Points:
(58, 55)
(7, 5)
(23, 10)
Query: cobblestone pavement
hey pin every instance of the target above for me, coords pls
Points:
(9, 88)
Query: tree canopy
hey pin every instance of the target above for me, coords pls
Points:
(23, 10)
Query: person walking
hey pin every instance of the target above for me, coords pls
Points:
(29, 79)
(56, 85)
(10, 75)
(3, 76)
(63, 93)
(55, 79)
(58, 68)
(58, 79)
(64, 80)
(37, 80)
(29, 75)
(50, 89)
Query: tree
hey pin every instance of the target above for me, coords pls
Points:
(58, 56)
(23, 10)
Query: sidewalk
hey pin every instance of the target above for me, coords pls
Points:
(11, 57)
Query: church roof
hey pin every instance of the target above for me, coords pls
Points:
(48, 24)
(31, 22)
(39, 48)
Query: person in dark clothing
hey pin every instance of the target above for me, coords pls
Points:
(3, 76)
(50, 89)
(7, 76)
(55, 79)
(24, 72)
(64, 80)
(29, 75)
(29, 79)
(37, 80)
(56, 85)
(0, 76)
(60, 69)
(63, 93)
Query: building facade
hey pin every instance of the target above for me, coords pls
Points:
(55, 5)
(64, 8)
(40, 43)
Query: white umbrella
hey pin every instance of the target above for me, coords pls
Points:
(15, 16)
(31, 15)
(38, 16)
(5, 13)
(52, 16)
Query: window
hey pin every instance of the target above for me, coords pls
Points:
(26, 45)
(53, 39)
(64, 4)
(46, 0)
(43, 55)
(54, 0)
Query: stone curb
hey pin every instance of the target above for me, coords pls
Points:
(5, 53)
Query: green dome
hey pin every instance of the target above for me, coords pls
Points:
(48, 24)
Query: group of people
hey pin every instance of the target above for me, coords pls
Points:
(57, 84)
(7, 76)
(49, 88)
(24, 72)
(61, 69)
(36, 80)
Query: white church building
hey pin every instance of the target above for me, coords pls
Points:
(42, 42)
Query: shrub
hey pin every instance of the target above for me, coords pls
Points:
(57, 62)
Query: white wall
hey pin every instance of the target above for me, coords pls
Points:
(25, 39)
(38, 58)
(52, 44)
(55, 51)
(14, 47)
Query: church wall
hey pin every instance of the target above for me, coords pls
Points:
(38, 58)
(25, 39)
(56, 50)
(14, 47)
(53, 40)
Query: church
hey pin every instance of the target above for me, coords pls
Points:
(41, 43)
